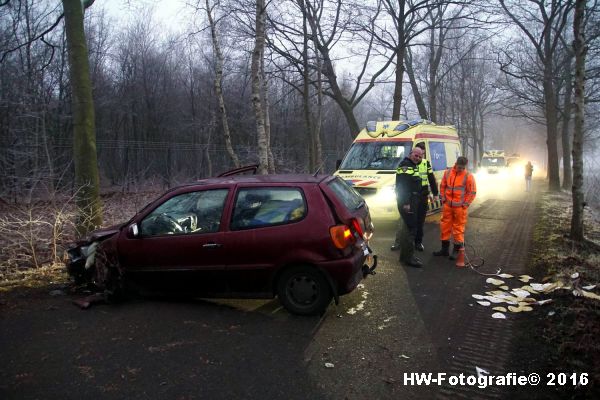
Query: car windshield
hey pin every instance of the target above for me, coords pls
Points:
(376, 155)
(493, 162)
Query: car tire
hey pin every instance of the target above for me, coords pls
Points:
(303, 290)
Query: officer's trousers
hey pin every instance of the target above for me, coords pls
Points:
(406, 233)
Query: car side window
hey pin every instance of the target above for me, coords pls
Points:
(187, 213)
(260, 207)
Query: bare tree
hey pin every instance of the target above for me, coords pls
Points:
(566, 111)
(257, 87)
(84, 132)
(330, 26)
(580, 53)
(543, 24)
(407, 17)
(219, 79)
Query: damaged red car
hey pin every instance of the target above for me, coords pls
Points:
(302, 238)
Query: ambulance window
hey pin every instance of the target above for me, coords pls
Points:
(452, 153)
(376, 155)
(437, 155)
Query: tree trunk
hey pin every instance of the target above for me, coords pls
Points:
(265, 103)
(209, 133)
(338, 95)
(84, 131)
(398, 83)
(318, 118)
(415, 88)
(219, 86)
(432, 78)
(312, 156)
(479, 140)
(580, 53)
(551, 130)
(259, 43)
(566, 137)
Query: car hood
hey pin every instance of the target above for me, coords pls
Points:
(103, 233)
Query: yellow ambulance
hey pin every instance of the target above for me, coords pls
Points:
(371, 162)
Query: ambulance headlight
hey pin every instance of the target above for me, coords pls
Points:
(388, 193)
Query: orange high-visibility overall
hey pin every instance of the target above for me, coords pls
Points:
(458, 191)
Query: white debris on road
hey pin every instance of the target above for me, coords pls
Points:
(525, 278)
(493, 281)
(521, 300)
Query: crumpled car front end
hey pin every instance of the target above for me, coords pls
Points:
(86, 260)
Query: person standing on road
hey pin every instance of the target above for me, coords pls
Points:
(528, 175)
(408, 195)
(457, 191)
(427, 181)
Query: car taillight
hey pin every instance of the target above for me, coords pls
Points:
(357, 227)
(341, 236)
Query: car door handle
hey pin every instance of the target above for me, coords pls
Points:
(212, 245)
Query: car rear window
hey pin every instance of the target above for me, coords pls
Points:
(260, 207)
(351, 199)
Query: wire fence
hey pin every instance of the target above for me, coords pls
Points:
(33, 170)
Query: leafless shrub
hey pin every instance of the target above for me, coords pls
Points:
(34, 235)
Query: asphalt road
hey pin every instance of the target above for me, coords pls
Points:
(402, 320)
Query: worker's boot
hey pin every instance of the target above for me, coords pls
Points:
(455, 249)
(444, 250)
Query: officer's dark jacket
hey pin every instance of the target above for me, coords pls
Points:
(408, 182)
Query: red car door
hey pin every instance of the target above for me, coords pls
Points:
(179, 245)
(269, 227)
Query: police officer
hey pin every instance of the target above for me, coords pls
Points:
(408, 196)
(427, 181)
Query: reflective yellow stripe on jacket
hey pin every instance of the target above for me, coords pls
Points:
(408, 171)
(424, 171)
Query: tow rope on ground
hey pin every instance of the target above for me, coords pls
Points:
(475, 262)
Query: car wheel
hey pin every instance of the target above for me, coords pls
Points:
(303, 290)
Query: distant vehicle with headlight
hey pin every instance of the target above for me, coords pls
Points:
(493, 162)
(516, 165)
(370, 164)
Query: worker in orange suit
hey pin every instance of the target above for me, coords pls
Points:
(457, 192)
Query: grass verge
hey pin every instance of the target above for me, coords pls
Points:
(565, 338)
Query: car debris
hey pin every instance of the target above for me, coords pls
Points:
(85, 302)
(493, 281)
(521, 299)
(481, 372)
(525, 278)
